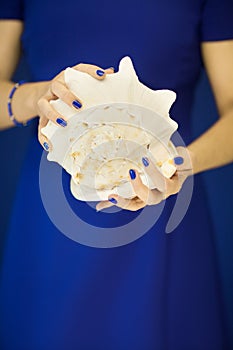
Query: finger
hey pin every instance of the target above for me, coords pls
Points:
(60, 90)
(142, 191)
(181, 168)
(155, 175)
(46, 110)
(183, 160)
(127, 204)
(46, 144)
(174, 184)
(110, 70)
(95, 71)
(103, 205)
(130, 204)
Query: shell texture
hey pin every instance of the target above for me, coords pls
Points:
(121, 121)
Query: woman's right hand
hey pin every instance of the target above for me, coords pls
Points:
(56, 88)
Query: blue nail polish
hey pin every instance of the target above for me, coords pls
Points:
(100, 73)
(77, 104)
(46, 146)
(178, 160)
(145, 161)
(132, 174)
(112, 200)
(61, 122)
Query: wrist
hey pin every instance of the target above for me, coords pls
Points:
(193, 159)
(24, 102)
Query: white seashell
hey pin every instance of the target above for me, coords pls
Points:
(121, 120)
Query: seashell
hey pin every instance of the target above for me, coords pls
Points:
(121, 121)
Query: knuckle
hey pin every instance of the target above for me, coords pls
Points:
(79, 66)
(43, 122)
(127, 206)
(151, 201)
(53, 85)
(40, 138)
(66, 96)
(40, 103)
(135, 209)
(50, 114)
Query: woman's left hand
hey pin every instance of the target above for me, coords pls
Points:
(163, 187)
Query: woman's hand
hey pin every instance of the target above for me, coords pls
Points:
(56, 88)
(164, 187)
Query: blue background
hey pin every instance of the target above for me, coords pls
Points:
(13, 144)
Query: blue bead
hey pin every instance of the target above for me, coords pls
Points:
(12, 118)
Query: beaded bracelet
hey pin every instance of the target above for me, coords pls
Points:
(11, 115)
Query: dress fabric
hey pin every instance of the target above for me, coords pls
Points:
(161, 291)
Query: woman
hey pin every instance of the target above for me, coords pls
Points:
(159, 292)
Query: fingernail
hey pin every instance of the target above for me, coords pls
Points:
(178, 160)
(77, 104)
(145, 161)
(112, 68)
(46, 146)
(61, 122)
(112, 200)
(100, 73)
(132, 174)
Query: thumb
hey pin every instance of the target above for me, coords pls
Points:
(110, 70)
(183, 161)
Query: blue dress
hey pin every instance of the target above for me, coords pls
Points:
(161, 291)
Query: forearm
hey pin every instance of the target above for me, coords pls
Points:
(214, 148)
(24, 102)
